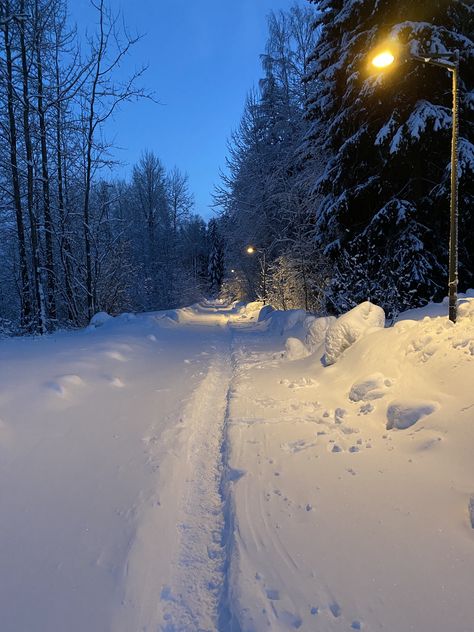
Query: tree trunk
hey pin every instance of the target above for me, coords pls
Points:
(48, 224)
(35, 254)
(25, 289)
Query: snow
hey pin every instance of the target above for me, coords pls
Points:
(350, 327)
(99, 319)
(424, 113)
(280, 321)
(316, 329)
(197, 469)
(295, 349)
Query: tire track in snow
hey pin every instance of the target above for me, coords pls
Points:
(191, 601)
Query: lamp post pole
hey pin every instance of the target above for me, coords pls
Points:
(450, 62)
(454, 214)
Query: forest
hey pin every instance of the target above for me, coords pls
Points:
(338, 178)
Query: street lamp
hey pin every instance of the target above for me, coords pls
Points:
(251, 250)
(384, 58)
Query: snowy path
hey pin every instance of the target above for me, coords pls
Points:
(182, 472)
(188, 559)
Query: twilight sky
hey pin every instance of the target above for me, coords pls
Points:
(203, 57)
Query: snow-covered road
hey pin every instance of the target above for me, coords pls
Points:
(196, 471)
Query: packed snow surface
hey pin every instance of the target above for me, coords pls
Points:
(205, 469)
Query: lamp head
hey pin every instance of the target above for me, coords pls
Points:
(385, 56)
(383, 59)
(250, 250)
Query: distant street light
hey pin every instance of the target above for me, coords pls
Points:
(384, 58)
(251, 250)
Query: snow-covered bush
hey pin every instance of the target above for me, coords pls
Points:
(350, 327)
(316, 329)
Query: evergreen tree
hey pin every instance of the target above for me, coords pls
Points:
(384, 213)
(264, 201)
(216, 257)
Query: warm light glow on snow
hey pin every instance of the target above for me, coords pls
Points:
(384, 59)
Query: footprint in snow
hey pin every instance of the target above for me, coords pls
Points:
(60, 386)
(293, 447)
(116, 355)
(403, 414)
(374, 386)
(116, 382)
(292, 620)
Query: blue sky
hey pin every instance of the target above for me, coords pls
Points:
(203, 57)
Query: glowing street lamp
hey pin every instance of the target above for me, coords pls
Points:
(251, 250)
(383, 59)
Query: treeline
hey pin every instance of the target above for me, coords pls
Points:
(340, 178)
(74, 242)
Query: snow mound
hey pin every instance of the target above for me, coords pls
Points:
(253, 308)
(99, 319)
(351, 327)
(404, 414)
(316, 329)
(60, 386)
(372, 387)
(281, 321)
(295, 349)
(265, 312)
(127, 317)
(170, 317)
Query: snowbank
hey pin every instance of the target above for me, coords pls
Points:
(280, 321)
(295, 349)
(99, 319)
(374, 455)
(265, 312)
(316, 329)
(351, 327)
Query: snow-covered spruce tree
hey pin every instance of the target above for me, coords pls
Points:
(215, 266)
(385, 208)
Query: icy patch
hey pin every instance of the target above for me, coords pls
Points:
(351, 327)
(404, 414)
(372, 387)
(295, 349)
(99, 319)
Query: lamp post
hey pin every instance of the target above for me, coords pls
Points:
(251, 250)
(449, 61)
